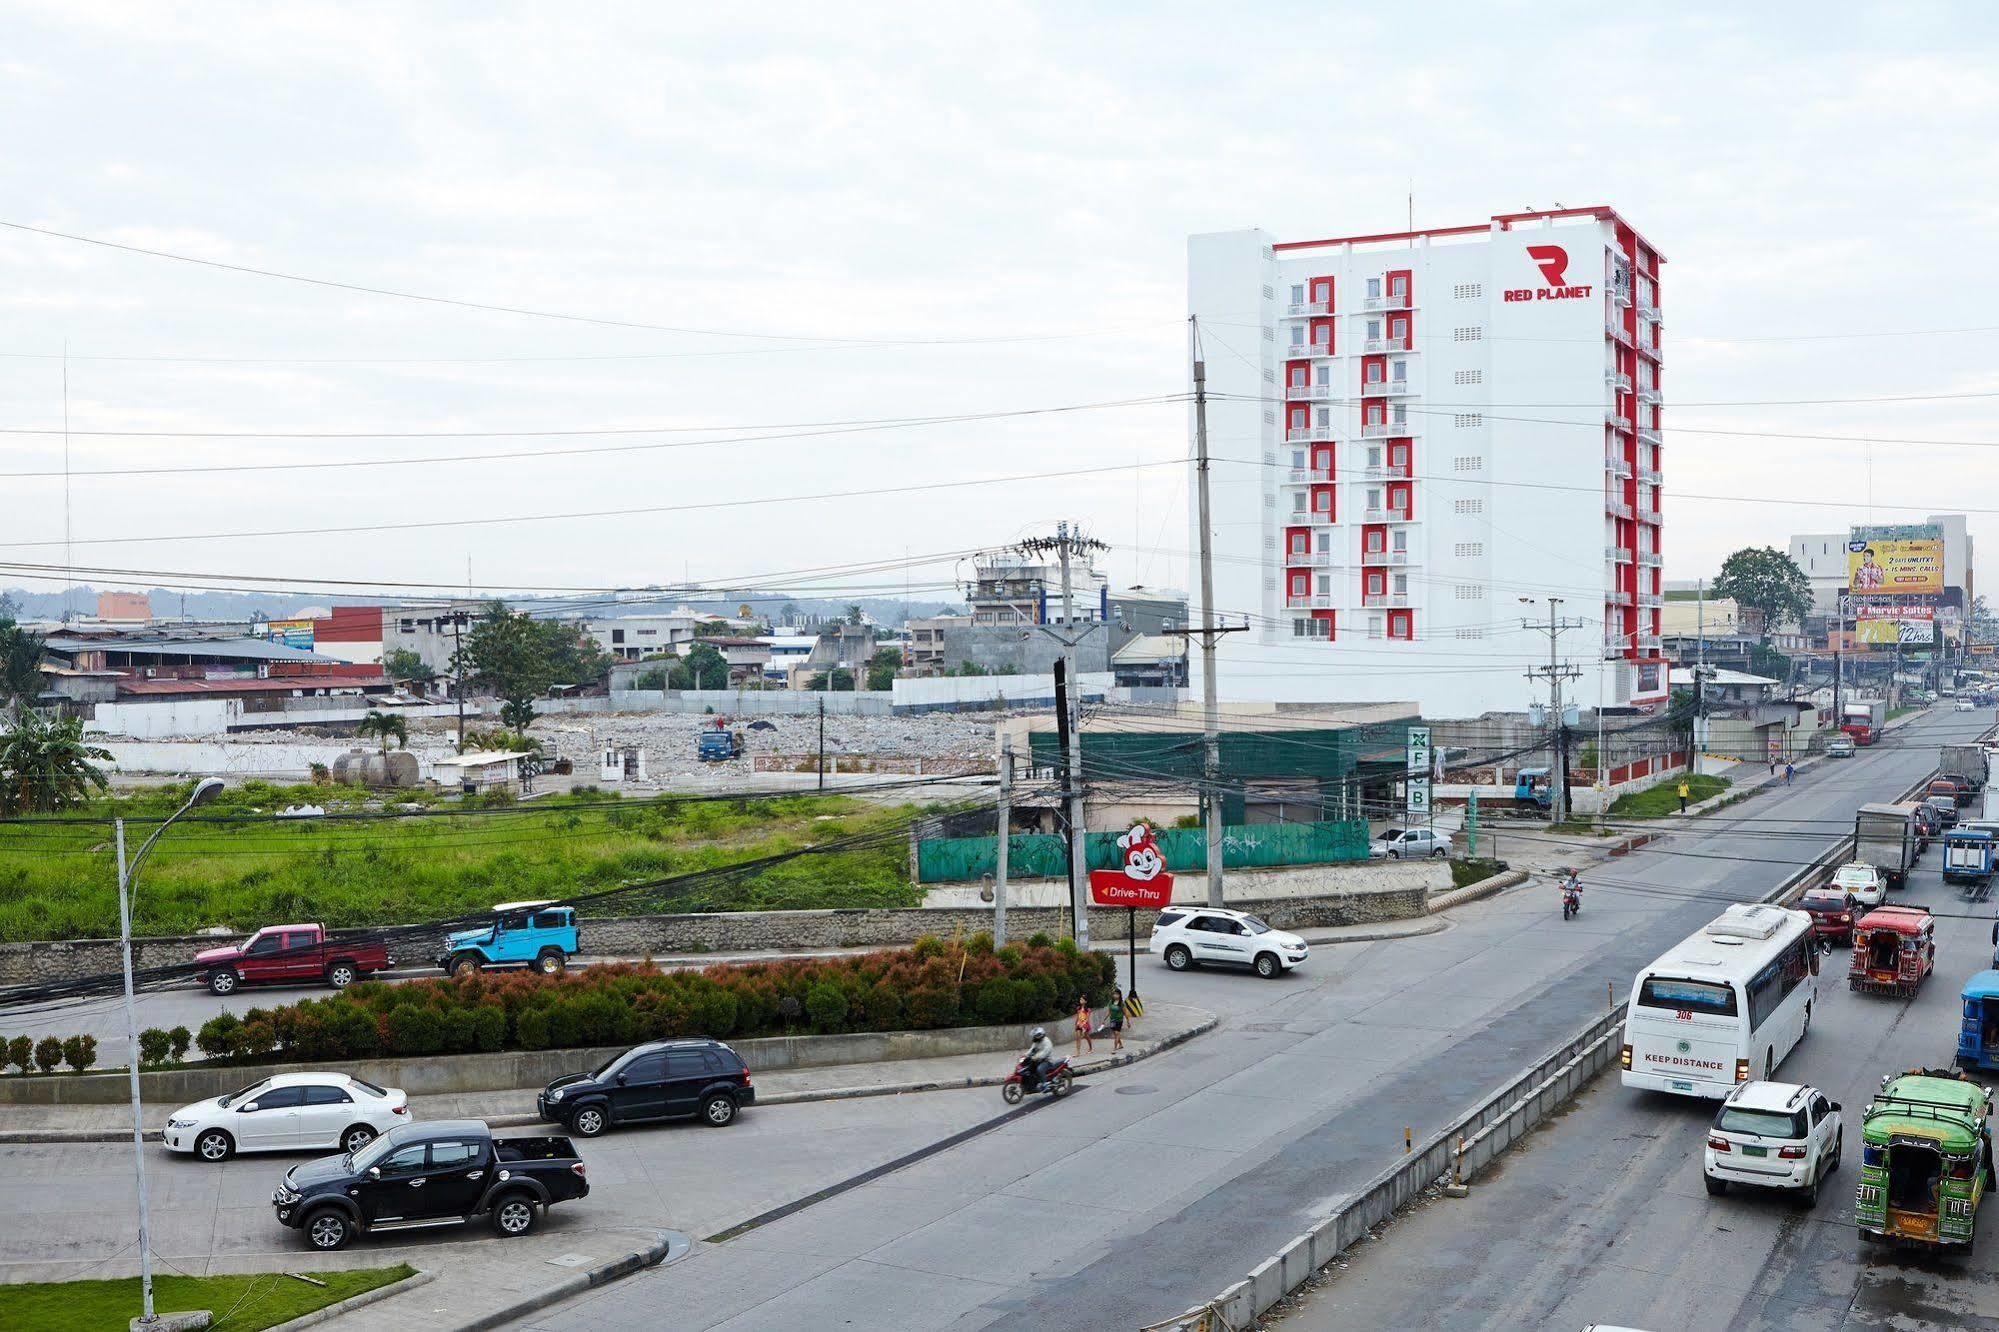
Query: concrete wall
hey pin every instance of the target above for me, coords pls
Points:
(751, 931)
(966, 692)
(1021, 649)
(512, 1070)
(747, 702)
(154, 721)
(222, 759)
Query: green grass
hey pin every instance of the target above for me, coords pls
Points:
(58, 880)
(1465, 873)
(1898, 712)
(251, 1301)
(1664, 798)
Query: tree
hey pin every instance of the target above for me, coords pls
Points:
(883, 666)
(21, 655)
(45, 765)
(1766, 579)
(703, 667)
(384, 726)
(407, 667)
(968, 668)
(840, 681)
(509, 653)
(854, 614)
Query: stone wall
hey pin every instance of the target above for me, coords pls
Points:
(1400, 897)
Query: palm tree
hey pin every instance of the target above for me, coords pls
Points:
(45, 765)
(384, 725)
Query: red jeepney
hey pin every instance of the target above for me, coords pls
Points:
(1894, 948)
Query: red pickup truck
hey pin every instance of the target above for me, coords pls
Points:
(290, 954)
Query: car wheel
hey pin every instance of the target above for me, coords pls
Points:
(1715, 1187)
(513, 1215)
(718, 1111)
(215, 1146)
(1439, 854)
(1808, 1196)
(354, 1139)
(1394, 855)
(328, 1229)
(340, 975)
(1267, 966)
(1838, 1151)
(222, 982)
(587, 1122)
(1178, 958)
(551, 962)
(465, 964)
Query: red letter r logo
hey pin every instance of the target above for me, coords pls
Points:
(1554, 262)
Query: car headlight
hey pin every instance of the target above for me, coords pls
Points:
(555, 1095)
(180, 1123)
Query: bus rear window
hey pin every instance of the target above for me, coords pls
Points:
(1691, 995)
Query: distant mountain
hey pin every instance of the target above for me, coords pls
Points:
(165, 603)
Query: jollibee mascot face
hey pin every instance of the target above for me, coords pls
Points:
(1142, 858)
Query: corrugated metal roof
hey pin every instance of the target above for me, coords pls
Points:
(246, 685)
(236, 649)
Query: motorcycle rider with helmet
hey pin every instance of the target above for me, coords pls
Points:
(1039, 1056)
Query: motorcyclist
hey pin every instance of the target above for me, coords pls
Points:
(1039, 1055)
(1572, 889)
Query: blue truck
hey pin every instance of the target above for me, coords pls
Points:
(1978, 1035)
(718, 745)
(1533, 794)
(1967, 859)
(521, 934)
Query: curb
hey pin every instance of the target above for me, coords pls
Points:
(602, 1274)
(775, 1098)
(1472, 892)
(353, 1302)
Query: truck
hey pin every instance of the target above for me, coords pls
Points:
(291, 954)
(1967, 859)
(1533, 794)
(1863, 718)
(718, 745)
(421, 1175)
(521, 934)
(1884, 836)
(1965, 762)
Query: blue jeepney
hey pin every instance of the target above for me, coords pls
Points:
(1978, 1036)
(1967, 859)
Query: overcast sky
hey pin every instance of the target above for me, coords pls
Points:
(988, 205)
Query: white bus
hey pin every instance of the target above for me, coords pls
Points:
(1723, 1006)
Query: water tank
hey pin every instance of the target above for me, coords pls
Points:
(371, 767)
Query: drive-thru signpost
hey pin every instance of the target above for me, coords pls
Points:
(1142, 881)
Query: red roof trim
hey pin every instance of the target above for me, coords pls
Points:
(1505, 221)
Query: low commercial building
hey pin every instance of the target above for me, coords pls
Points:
(632, 637)
(926, 653)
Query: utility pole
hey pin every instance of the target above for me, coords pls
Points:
(1209, 632)
(1069, 699)
(1700, 670)
(822, 742)
(1554, 673)
(1838, 671)
(458, 670)
(1001, 848)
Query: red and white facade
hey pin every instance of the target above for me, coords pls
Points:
(1448, 421)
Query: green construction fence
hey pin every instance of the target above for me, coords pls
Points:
(1043, 856)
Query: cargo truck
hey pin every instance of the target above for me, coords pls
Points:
(1884, 836)
(1863, 718)
(1965, 762)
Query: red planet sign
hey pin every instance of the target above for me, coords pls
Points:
(1143, 880)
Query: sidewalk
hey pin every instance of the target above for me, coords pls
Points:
(1163, 1026)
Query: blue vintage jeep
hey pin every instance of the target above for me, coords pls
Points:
(522, 934)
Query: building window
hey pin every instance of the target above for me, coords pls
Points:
(1373, 330)
(1374, 288)
(1374, 626)
(1374, 372)
(1399, 372)
(1297, 335)
(617, 635)
(1297, 293)
(1322, 375)
(1399, 538)
(1374, 497)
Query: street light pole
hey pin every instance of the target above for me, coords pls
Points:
(204, 791)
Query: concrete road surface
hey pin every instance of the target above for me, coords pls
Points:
(1602, 1217)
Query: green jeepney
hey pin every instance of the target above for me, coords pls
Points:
(1925, 1161)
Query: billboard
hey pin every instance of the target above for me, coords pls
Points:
(1895, 559)
(1909, 633)
(287, 633)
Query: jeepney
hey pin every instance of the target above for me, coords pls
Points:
(1894, 950)
(1925, 1161)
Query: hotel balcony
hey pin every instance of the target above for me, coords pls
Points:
(1306, 309)
(1312, 434)
(1314, 601)
(1393, 600)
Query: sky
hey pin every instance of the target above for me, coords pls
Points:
(877, 213)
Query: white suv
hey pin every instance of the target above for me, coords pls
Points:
(1774, 1135)
(1190, 936)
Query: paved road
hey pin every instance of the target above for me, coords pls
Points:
(1603, 1217)
(1157, 1186)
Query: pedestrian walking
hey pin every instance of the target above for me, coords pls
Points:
(1114, 1018)
(1790, 773)
(1083, 1038)
(1685, 791)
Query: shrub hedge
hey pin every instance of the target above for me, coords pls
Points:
(931, 984)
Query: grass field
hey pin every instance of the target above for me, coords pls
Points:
(251, 1301)
(1657, 801)
(58, 877)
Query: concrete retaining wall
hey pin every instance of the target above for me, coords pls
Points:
(510, 1071)
(750, 931)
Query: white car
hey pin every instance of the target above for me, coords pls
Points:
(1190, 936)
(288, 1112)
(1774, 1135)
(1866, 883)
(1411, 844)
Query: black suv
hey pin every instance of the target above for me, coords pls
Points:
(697, 1078)
(418, 1175)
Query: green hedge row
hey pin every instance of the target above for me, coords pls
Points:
(931, 984)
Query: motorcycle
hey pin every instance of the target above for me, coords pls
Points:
(1057, 1083)
(1572, 901)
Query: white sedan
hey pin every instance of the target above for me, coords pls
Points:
(1865, 882)
(288, 1112)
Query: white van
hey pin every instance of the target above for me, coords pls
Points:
(1722, 1006)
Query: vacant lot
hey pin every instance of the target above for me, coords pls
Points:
(239, 867)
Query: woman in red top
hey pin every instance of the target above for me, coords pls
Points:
(1083, 1024)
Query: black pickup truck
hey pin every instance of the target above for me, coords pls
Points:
(436, 1174)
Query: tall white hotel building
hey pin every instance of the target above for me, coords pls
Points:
(1412, 432)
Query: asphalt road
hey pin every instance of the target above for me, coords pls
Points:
(1149, 1190)
(1602, 1217)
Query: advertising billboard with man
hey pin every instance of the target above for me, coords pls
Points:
(1895, 559)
